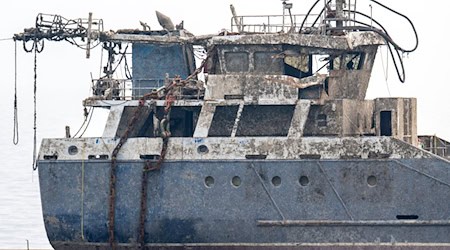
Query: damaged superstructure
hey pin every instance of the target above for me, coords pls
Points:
(269, 143)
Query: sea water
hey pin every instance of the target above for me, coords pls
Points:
(21, 222)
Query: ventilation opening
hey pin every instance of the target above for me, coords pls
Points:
(98, 157)
(407, 217)
(149, 157)
(255, 157)
(386, 123)
(310, 156)
(234, 97)
(51, 157)
(375, 155)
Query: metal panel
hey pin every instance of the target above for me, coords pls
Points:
(339, 203)
(151, 63)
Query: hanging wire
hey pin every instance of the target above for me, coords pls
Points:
(35, 46)
(16, 116)
(88, 122)
(86, 117)
(385, 69)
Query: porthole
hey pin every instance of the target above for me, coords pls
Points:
(73, 150)
(276, 181)
(209, 181)
(202, 149)
(236, 181)
(372, 181)
(304, 181)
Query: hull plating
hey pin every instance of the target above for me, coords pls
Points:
(250, 202)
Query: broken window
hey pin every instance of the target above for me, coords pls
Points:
(386, 123)
(236, 61)
(223, 121)
(321, 64)
(267, 63)
(183, 121)
(271, 120)
(350, 61)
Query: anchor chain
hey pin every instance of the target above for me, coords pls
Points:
(112, 180)
(148, 166)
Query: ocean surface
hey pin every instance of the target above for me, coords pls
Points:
(21, 223)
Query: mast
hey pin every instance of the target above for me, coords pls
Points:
(339, 13)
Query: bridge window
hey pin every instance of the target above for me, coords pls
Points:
(236, 61)
(270, 120)
(350, 61)
(268, 63)
(182, 122)
(223, 121)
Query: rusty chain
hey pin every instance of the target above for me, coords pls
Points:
(148, 166)
(112, 180)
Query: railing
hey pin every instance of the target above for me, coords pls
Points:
(124, 89)
(127, 89)
(271, 23)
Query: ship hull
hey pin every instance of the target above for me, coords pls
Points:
(250, 203)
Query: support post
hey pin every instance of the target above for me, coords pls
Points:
(88, 34)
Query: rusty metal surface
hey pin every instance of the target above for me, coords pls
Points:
(236, 148)
(316, 201)
(237, 246)
(357, 39)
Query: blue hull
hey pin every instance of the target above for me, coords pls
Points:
(250, 202)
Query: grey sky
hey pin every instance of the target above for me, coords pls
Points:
(64, 73)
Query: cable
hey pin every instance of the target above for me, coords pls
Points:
(409, 20)
(401, 76)
(321, 12)
(385, 31)
(385, 71)
(35, 110)
(84, 122)
(89, 122)
(5, 39)
(16, 117)
(307, 14)
(389, 41)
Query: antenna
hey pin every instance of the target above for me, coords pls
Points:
(287, 6)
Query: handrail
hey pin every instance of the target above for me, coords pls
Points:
(124, 89)
(269, 23)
